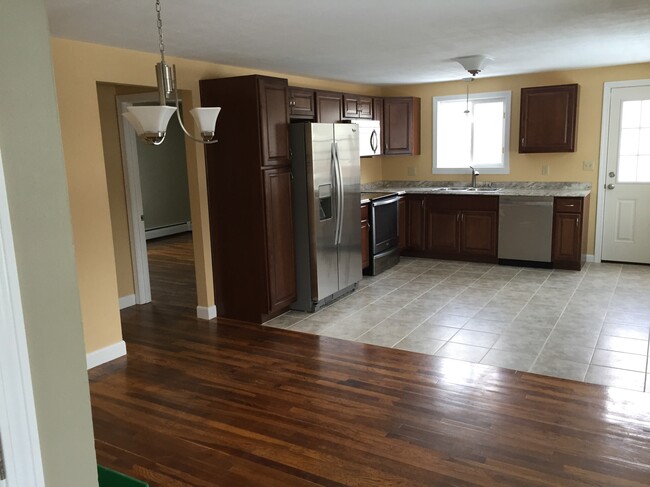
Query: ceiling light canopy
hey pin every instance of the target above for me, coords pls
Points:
(474, 64)
(150, 122)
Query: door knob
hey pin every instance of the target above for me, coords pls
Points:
(610, 186)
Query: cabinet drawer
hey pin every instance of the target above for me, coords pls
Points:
(364, 212)
(568, 205)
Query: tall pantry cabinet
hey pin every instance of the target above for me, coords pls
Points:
(249, 198)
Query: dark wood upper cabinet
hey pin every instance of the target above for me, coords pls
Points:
(401, 127)
(248, 176)
(302, 103)
(548, 119)
(329, 107)
(357, 106)
(275, 121)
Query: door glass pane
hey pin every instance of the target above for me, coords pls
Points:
(627, 169)
(643, 170)
(631, 114)
(644, 141)
(629, 144)
(645, 113)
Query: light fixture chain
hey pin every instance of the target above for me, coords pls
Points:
(161, 44)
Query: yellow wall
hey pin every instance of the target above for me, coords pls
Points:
(78, 68)
(523, 167)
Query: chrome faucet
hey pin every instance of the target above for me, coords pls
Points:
(474, 174)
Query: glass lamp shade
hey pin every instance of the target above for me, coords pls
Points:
(149, 119)
(206, 118)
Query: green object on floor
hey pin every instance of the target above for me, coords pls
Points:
(111, 478)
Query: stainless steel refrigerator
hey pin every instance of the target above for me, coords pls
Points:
(326, 210)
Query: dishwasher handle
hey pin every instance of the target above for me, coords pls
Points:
(526, 201)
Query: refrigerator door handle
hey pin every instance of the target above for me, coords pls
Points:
(337, 194)
(340, 196)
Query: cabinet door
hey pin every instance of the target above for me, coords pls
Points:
(279, 238)
(356, 106)
(302, 104)
(548, 119)
(567, 233)
(329, 107)
(378, 114)
(478, 233)
(442, 231)
(401, 126)
(402, 221)
(415, 219)
(274, 118)
(365, 237)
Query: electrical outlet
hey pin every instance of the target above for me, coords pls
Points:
(411, 171)
(545, 170)
(587, 165)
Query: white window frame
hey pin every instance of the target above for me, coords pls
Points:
(503, 168)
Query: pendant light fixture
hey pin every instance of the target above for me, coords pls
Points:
(474, 64)
(150, 122)
(468, 81)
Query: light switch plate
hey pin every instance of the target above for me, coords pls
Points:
(545, 170)
(411, 171)
(587, 165)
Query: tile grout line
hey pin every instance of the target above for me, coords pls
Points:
(429, 317)
(557, 320)
(418, 296)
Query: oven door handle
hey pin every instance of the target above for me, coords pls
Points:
(385, 201)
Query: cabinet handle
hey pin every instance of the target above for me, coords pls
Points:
(577, 222)
(422, 204)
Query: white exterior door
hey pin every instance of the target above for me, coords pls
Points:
(626, 222)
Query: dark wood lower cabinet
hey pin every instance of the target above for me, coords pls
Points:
(279, 235)
(441, 230)
(478, 233)
(570, 233)
(365, 237)
(415, 223)
(452, 227)
(401, 208)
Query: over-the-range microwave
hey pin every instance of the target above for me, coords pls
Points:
(369, 137)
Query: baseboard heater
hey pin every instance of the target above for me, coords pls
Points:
(168, 230)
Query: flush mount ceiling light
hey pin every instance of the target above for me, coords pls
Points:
(150, 122)
(474, 64)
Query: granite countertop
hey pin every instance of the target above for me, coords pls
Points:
(576, 190)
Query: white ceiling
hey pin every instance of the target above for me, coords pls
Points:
(371, 41)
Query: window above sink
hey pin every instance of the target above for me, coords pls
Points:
(473, 131)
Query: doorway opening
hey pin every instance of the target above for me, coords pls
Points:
(150, 205)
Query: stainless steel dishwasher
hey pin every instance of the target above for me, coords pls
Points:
(525, 230)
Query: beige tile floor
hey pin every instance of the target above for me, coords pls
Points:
(591, 326)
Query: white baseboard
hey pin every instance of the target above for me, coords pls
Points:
(127, 301)
(171, 230)
(206, 312)
(106, 354)
(591, 258)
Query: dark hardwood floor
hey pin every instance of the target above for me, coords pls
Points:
(207, 404)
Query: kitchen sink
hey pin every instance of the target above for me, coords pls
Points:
(482, 190)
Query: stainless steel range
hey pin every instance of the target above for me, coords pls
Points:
(384, 231)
